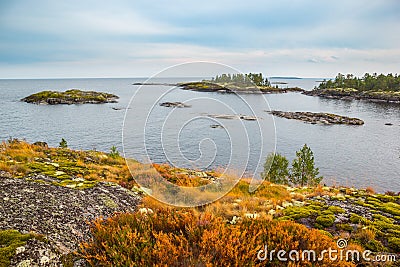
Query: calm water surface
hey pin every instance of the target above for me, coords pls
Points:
(358, 156)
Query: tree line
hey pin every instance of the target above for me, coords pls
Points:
(368, 82)
(242, 79)
(302, 173)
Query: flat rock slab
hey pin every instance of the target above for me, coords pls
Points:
(60, 214)
(233, 117)
(317, 118)
(175, 105)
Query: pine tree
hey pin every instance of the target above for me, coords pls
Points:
(303, 171)
(63, 143)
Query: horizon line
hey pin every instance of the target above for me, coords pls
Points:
(172, 77)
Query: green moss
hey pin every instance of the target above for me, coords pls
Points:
(344, 227)
(336, 209)
(76, 184)
(10, 240)
(386, 198)
(108, 202)
(297, 213)
(394, 232)
(42, 168)
(394, 243)
(391, 208)
(374, 245)
(354, 218)
(379, 217)
(381, 225)
(325, 220)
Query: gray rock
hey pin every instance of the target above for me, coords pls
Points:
(175, 105)
(58, 213)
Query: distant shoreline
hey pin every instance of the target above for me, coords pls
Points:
(205, 86)
(353, 94)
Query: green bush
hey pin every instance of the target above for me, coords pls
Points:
(325, 220)
(114, 152)
(63, 143)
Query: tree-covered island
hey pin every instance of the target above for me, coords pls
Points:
(243, 83)
(374, 88)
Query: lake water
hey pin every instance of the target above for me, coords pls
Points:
(359, 156)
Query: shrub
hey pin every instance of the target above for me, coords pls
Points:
(63, 143)
(325, 220)
(184, 238)
(370, 190)
(114, 152)
(364, 235)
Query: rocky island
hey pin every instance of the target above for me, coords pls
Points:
(207, 86)
(373, 88)
(174, 105)
(317, 118)
(69, 97)
(250, 83)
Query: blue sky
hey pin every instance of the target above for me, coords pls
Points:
(138, 38)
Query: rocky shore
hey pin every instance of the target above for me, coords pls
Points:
(353, 94)
(317, 118)
(69, 97)
(49, 196)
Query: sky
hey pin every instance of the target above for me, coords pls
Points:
(139, 38)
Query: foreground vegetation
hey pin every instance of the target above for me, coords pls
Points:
(228, 232)
(10, 241)
(72, 96)
(169, 237)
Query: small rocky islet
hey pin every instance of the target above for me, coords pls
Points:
(174, 105)
(69, 97)
(317, 118)
(206, 86)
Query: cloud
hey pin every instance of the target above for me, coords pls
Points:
(249, 34)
